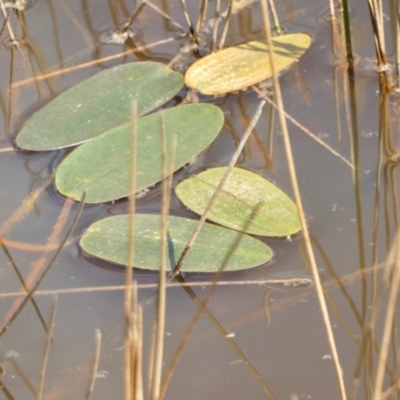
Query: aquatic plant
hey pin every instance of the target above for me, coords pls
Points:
(354, 306)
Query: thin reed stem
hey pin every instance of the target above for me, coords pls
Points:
(275, 16)
(332, 10)
(218, 189)
(296, 190)
(47, 349)
(225, 26)
(129, 361)
(392, 275)
(89, 64)
(138, 335)
(398, 44)
(167, 172)
(136, 347)
(7, 23)
(186, 14)
(151, 354)
(347, 34)
(217, 17)
(200, 19)
(347, 279)
(135, 14)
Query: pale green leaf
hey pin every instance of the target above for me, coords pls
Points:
(243, 192)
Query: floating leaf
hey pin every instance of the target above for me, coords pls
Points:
(108, 239)
(242, 193)
(240, 66)
(99, 104)
(102, 166)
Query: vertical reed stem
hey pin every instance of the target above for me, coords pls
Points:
(296, 190)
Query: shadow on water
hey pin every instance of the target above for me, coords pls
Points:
(353, 216)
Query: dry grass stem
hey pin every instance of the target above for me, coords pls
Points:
(217, 17)
(201, 18)
(275, 16)
(136, 13)
(129, 361)
(187, 17)
(370, 319)
(349, 279)
(398, 45)
(32, 247)
(378, 29)
(167, 172)
(47, 349)
(7, 149)
(136, 344)
(152, 350)
(7, 23)
(96, 360)
(225, 26)
(296, 191)
(332, 10)
(88, 64)
(224, 178)
(138, 335)
(337, 103)
(392, 277)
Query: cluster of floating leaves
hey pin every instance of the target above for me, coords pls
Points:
(97, 114)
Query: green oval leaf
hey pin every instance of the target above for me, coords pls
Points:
(102, 166)
(240, 66)
(99, 104)
(242, 193)
(108, 239)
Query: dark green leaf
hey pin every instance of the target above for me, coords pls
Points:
(99, 104)
(102, 166)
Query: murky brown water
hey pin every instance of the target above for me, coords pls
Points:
(352, 216)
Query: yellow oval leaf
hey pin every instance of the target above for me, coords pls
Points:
(240, 66)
